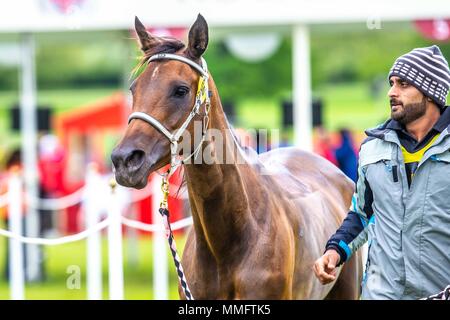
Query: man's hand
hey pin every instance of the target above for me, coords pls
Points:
(325, 266)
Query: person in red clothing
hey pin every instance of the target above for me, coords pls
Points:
(323, 146)
(51, 175)
(51, 165)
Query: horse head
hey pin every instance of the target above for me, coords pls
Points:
(163, 98)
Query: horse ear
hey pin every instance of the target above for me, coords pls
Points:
(198, 38)
(145, 39)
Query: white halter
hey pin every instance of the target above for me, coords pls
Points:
(201, 97)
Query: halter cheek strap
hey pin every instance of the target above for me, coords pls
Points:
(202, 96)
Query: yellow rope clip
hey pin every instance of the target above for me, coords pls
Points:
(165, 190)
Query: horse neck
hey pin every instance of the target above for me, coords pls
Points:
(216, 191)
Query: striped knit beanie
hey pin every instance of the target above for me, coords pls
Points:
(427, 70)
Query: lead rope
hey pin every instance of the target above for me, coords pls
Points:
(164, 211)
(443, 295)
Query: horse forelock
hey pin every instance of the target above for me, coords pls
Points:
(164, 45)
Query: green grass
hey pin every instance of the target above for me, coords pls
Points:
(138, 277)
(259, 113)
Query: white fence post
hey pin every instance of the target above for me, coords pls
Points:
(160, 272)
(301, 73)
(16, 266)
(28, 121)
(94, 249)
(115, 247)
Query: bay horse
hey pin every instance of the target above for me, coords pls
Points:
(254, 235)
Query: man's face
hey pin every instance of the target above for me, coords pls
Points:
(407, 103)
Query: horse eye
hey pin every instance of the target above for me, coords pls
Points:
(181, 92)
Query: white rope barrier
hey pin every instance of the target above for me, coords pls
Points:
(57, 203)
(49, 204)
(96, 199)
(76, 197)
(57, 241)
(180, 224)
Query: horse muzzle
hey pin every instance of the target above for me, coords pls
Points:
(131, 167)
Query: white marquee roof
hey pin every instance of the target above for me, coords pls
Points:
(46, 15)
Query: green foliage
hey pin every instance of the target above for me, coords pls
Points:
(349, 53)
(9, 77)
(237, 79)
(73, 64)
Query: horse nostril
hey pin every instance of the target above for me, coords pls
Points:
(135, 159)
(122, 158)
(116, 157)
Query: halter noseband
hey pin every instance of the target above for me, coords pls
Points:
(201, 97)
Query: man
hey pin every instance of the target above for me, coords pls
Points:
(402, 198)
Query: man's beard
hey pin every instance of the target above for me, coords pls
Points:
(409, 112)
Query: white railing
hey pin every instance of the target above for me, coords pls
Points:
(96, 200)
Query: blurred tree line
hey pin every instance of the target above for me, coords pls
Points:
(346, 54)
(340, 53)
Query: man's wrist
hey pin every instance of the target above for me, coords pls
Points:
(339, 250)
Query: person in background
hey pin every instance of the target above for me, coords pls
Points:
(323, 145)
(51, 177)
(346, 156)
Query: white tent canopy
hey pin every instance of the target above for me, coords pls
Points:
(53, 15)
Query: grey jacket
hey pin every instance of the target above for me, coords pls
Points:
(408, 228)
